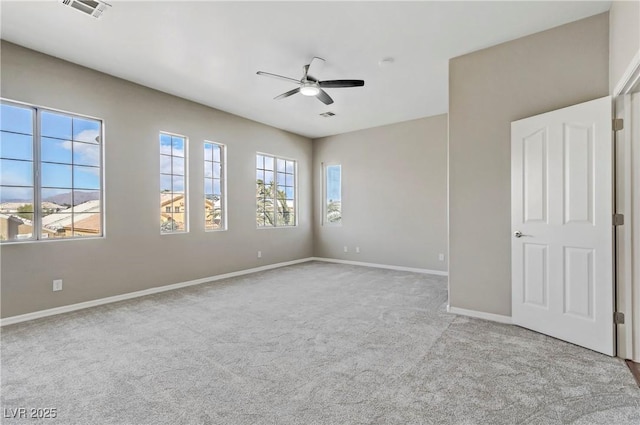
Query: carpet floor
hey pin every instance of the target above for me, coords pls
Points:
(314, 343)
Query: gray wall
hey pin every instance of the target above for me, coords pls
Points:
(487, 90)
(394, 194)
(133, 255)
(624, 23)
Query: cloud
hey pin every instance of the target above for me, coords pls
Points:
(172, 154)
(165, 164)
(87, 154)
(165, 149)
(89, 135)
(178, 165)
(84, 153)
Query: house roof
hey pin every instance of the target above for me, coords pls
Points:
(168, 198)
(91, 224)
(65, 218)
(11, 218)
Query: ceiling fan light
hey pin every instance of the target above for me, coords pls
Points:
(309, 90)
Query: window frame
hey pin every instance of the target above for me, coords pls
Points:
(325, 186)
(223, 185)
(37, 172)
(295, 188)
(187, 210)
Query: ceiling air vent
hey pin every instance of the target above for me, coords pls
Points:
(88, 7)
(327, 114)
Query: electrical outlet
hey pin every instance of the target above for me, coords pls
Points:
(259, 254)
(346, 249)
(357, 250)
(441, 257)
(57, 285)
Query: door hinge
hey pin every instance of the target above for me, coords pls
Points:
(618, 219)
(618, 124)
(618, 318)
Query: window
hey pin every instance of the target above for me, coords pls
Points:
(214, 217)
(332, 194)
(275, 191)
(50, 174)
(173, 183)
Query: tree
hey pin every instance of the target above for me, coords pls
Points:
(168, 226)
(215, 212)
(264, 203)
(334, 211)
(284, 212)
(266, 214)
(26, 211)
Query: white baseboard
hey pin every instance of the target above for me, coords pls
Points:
(93, 303)
(480, 315)
(381, 266)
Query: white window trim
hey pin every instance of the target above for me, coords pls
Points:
(36, 170)
(187, 207)
(223, 187)
(295, 189)
(323, 219)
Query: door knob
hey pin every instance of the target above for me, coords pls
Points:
(518, 234)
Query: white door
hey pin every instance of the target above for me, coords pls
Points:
(561, 224)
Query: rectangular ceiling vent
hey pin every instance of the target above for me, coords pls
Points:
(327, 114)
(88, 7)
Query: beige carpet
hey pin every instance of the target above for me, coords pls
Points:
(314, 343)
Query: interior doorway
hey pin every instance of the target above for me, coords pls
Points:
(627, 140)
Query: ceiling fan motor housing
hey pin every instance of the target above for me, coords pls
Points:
(309, 88)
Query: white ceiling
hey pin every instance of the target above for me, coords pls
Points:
(209, 52)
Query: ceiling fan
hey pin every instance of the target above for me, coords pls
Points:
(309, 85)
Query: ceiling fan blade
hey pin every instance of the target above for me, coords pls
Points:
(334, 84)
(280, 77)
(324, 97)
(314, 68)
(287, 94)
(307, 76)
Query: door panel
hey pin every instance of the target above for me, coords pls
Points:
(578, 170)
(535, 177)
(561, 201)
(535, 275)
(578, 282)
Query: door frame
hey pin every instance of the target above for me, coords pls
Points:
(627, 236)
